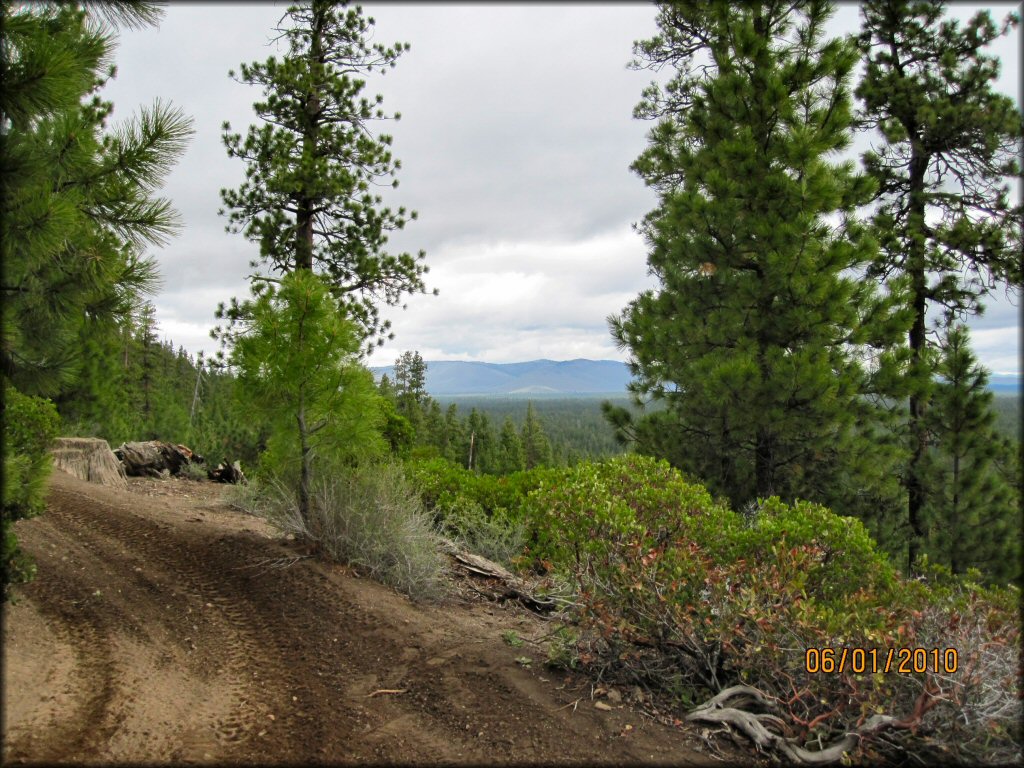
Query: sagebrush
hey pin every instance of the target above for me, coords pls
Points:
(370, 517)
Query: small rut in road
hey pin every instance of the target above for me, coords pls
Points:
(166, 629)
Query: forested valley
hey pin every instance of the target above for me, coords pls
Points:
(801, 524)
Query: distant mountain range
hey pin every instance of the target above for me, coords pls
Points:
(535, 377)
(1004, 383)
(559, 377)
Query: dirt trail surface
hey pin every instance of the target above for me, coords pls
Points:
(164, 626)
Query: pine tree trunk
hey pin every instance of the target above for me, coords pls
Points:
(954, 519)
(918, 395)
(304, 472)
(306, 202)
(763, 464)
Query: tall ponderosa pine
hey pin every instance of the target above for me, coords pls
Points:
(511, 457)
(77, 206)
(973, 513)
(753, 338)
(78, 203)
(484, 441)
(411, 391)
(949, 144)
(308, 199)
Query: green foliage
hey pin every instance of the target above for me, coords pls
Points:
(1006, 406)
(574, 426)
(441, 481)
(307, 199)
(511, 457)
(563, 651)
(973, 510)
(512, 639)
(371, 518)
(496, 535)
(397, 430)
(484, 513)
(536, 448)
(948, 231)
(29, 426)
(410, 389)
(78, 202)
(297, 364)
(754, 337)
(687, 597)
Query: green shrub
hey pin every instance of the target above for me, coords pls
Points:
(192, 471)
(496, 536)
(563, 650)
(29, 426)
(370, 517)
(485, 513)
(685, 596)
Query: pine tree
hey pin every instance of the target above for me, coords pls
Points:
(310, 167)
(146, 340)
(536, 448)
(973, 512)
(78, 203)
(411, 396)
(484, 442)
(433, 426)
(387, 388)
(456, 438)
(949, 145)
(754, 339)
(511, 457)
(77, 207)
(297, 363)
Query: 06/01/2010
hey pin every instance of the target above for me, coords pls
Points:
(871, 660)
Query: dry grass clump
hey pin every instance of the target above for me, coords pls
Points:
(370, 517)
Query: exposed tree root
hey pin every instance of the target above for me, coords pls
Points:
(727, 708)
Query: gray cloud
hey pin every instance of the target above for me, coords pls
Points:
(515, 140)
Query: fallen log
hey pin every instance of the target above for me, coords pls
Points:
(227, 473)
(90, 459)
(155, 458)
(511, 587)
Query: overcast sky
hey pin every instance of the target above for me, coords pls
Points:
(515, 141)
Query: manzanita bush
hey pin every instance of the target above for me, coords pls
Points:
(683, 595)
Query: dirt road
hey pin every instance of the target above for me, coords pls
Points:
(164, 626)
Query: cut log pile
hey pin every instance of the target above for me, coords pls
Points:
(159, 459)
(154, 458)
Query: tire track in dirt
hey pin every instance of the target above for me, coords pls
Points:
(171, 563)
(93, 683)
(191, 643)
(220, 578)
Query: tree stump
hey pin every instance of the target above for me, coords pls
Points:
(90, 459)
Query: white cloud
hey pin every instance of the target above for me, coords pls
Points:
(515, 142)
(543, 299)
(998, 349)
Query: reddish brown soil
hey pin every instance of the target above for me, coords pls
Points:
(164, 626)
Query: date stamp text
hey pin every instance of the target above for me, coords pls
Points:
(872, 660)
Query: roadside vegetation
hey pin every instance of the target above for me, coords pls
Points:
(803, 525)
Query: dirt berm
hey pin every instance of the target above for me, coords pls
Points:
(164, 626)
